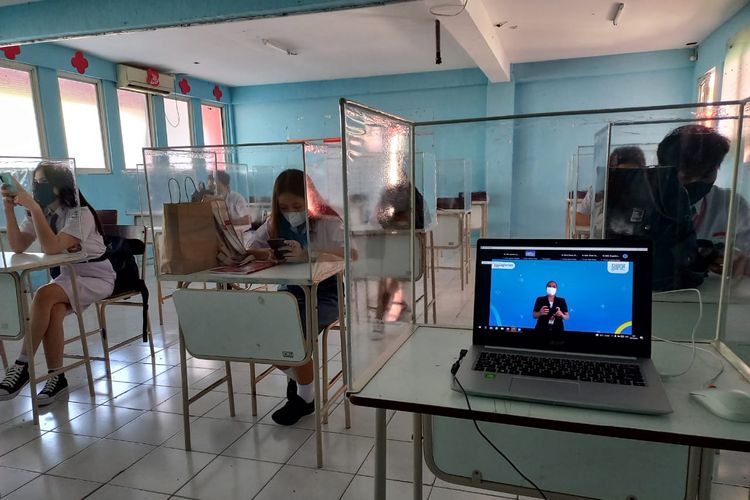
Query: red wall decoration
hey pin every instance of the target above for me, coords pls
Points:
(152, 77)
(217, 93)
(79, 62)
(184, 86)
(11, 51)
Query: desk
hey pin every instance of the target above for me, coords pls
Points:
(481, 207)
(425, 359)
(305, 275)
(18, 266)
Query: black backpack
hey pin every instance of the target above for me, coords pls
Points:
(121, 253)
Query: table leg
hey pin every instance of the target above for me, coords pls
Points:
(185, 393)
(81, 328)
(706, 473)
(380, 450)
(417, 455)
(29, 343)
(312, 323)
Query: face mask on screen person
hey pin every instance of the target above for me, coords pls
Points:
(551, 290)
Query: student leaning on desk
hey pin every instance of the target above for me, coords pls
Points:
(54, 218)
(288, 222)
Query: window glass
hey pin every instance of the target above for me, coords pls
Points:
(177, 114)
(213, 124)
(135, 125)
(83, 123)
(19, 136)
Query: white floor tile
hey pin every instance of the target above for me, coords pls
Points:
(98, 369)
(210, 435)
(110, 492)
(306, 484)
(243, 408)
(398, 463)
(400, 426)
(102, 460)
(341, 452)
(446, 494)
(164, 470)
(363, 487)
(442, 484)
(363, 421)
(144, 397)
(229, 478)
(12, 479)
(57, 414)
(138, 373)
(173, 376)
(131, 354)
(205, 363)
(46, 452)
(197, 409)
(104, 390)
(101, 421)
(53, 488)
(16, 433)
(169, 357)
(733, 468)
(152, 428)
(269, 442)
(15, 407)
(727, 492)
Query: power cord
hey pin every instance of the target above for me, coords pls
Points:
(692, 335)
(454, 370)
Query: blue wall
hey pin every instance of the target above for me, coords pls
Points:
(112, 190)
(508, 160)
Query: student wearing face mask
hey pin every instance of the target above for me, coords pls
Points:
(550, 310)
(697, 152)
(54, 218)
(288, 221)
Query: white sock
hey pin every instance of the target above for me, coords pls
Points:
(22, 358)
(306, 392)
(289, 372)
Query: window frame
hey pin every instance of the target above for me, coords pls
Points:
(37, 100)
(151, 122)
(103, 128)
(224, 129)
(191, 121)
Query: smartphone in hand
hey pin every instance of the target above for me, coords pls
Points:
(8, 182)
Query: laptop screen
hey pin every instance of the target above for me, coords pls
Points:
(591, 296)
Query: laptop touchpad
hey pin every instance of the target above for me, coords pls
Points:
(545, 388)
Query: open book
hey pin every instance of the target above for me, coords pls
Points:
(252, 267)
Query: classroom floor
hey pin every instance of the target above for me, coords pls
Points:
(127, 444)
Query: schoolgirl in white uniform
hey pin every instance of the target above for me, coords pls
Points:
(54, 218)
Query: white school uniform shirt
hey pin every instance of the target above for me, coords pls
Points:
(236, 205)
(78, 223)
(711, 216)
(327, 234)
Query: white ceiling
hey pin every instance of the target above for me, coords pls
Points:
(399, 38)
(563, 29)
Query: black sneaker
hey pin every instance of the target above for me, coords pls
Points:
(55, 388)
(294, 409)
(16, 377)
(291, 388)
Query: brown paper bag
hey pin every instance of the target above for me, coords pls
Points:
(190, 238)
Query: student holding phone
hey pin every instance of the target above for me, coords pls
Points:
(54, 218)
(285, 234)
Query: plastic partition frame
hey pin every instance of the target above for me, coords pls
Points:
(505, 131)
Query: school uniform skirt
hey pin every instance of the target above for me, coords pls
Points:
(96, 281)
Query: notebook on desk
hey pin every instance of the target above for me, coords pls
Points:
(252, 267)
(564, 322)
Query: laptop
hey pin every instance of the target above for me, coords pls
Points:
(565, 322)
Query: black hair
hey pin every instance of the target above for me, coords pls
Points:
(62, 179)
(627, 155)
(695, 150)
(552, 281)
(223, 177)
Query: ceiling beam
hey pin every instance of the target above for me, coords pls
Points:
(54, 20)
(474, 30)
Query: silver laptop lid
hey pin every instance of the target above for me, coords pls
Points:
(585, 296)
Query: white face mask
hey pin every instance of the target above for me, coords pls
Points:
(551, 290)
(296, 219)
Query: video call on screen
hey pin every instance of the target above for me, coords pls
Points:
(595, 286)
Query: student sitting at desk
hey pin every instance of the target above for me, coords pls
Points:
(288, 220)
(239, 213)
(53, 218)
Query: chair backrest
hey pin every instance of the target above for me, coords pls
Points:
(130, 232)
(107, 217)
(447, 233)
(381, 255)
(241, 325)
(10, 326)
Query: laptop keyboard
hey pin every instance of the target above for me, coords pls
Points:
(560, 368)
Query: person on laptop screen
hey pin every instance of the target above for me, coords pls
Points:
(550, 310)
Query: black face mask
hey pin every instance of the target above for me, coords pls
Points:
(698, 190)
(44, 193)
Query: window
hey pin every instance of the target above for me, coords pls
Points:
(19, 135)
(82, 117)
(213, 124)
(177, 114)
(135, 124)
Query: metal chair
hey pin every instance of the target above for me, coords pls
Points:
(107, 217)
(139, 233)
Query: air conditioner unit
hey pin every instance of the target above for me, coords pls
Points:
(141, 80)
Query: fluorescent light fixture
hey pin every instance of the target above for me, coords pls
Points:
(618, 11)
(275, 46)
